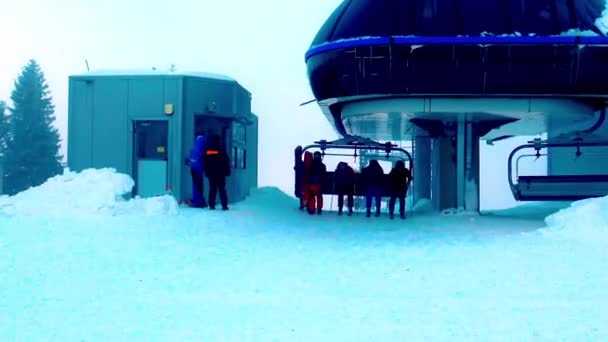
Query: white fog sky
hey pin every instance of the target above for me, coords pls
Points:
(260, 43)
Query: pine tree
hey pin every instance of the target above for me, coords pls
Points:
(3, 138)
(32, 150)
(3, 128)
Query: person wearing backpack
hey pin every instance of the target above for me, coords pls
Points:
(373, 177)
(399, 180)
(196, 163)
(344, 182)
(217, 168)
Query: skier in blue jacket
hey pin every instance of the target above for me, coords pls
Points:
(197, 169)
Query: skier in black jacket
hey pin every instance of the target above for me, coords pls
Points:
(344, 182)
(399, 180)
(217, 168)
(373, 176)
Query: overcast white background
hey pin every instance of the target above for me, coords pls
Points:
(260, 43)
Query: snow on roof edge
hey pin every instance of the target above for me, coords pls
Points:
(144, 72)
(575, 32)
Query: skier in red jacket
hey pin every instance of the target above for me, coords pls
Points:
(317, 174)
(305, 188)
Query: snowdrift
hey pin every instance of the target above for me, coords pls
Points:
(90, 192)
(95, 192)
(585, 220)
(281, 201)
(272, 198)
(424, 205)
(530, 210)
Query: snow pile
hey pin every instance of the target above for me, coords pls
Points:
(490, 34)
(90, 192)
(585, 220)
(423, 205)
(161, 205)
(458, 212)
(579, 33)
(602, 22)
(271, 197)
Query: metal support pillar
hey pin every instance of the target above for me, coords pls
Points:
(435, 186)
(460, 162)
(435, 172)
(443, 174)
(471, 181)
(467, 166)
(422, 168)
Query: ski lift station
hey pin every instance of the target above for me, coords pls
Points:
(445, 75)
(144, 123)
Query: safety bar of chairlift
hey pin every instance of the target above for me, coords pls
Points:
(539, 145)
(379, 147)
(351, 155)
(525, 156)
(340, 154)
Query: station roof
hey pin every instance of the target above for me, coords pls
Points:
(395, 18)
(144, 72)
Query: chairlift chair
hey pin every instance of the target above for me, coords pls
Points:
(555, 187)
(357, 145)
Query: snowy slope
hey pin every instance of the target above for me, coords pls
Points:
(265, 271)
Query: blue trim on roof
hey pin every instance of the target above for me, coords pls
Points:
(595, 40)
(345, 44)
(508, 40)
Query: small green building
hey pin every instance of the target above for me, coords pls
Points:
(144, 123)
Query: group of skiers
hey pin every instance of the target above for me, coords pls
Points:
(313, 172)
(208, 158)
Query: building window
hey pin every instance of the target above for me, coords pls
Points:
(239, 158)
(239, 133)
(243, 158)
(151, 139)
(235, 157)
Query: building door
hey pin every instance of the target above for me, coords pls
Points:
(213, 125)
(150, 157)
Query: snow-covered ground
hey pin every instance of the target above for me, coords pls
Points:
(79, 263)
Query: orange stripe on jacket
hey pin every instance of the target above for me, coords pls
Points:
(212, 152)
